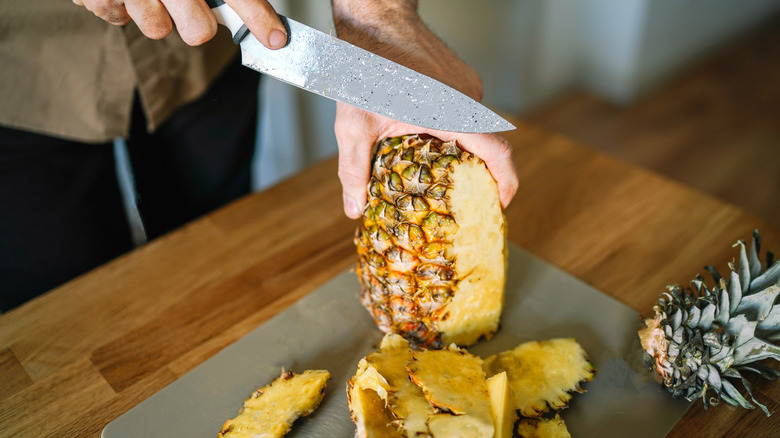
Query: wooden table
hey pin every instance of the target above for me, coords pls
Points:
(78, 357)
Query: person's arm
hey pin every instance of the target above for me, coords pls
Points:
(392, 29)
(193, 18)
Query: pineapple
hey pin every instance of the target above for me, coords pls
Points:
(701, 341)
(543, 428)
(453, 382)
(502, 406)
(383, 372)
(369, 412)
(400, 392)
(542, 374)
(271, 410)
(432, 243)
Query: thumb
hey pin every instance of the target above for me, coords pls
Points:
(354, 164)
(262, 20)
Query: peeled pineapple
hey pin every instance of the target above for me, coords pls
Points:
(272, 409)
(432, 243)
(502, 405)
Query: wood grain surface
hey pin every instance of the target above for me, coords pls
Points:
(81, 355)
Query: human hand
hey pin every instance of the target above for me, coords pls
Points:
(392, 29)
(357, 131)
(194, 20)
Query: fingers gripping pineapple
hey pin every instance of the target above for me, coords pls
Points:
(432, 243)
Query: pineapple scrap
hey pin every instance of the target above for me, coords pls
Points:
(400, 392)
(542, 374)
(369, 412)
(502, 406)
(543, 428)
(453, 381)
(383, 372)
(272, 409)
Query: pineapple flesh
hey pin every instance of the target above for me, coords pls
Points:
(432, 243)
(543, 428)
(370, 414)
(383, 372)
(542, 374)
(502, 405)
(702, 341)
(453, 382)
(272, 409)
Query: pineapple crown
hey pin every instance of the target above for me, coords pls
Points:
(702, 339)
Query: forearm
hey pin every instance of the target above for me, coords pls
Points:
(392, 29)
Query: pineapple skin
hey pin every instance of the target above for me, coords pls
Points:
(271, 410)
(543, 374)
(432, 243)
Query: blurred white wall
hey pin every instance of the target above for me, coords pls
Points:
(527, 52)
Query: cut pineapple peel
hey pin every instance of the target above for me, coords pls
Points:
(537, 386)
(272, 409)
(451, 392)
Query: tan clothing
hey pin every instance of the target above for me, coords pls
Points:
(67, 73)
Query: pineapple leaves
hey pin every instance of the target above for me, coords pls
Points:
(744, 266)
(707, 315)
(735, 289)
(749, 389)
(723, 312)
(749, 348)
(754, 350)
(772, 320)
(755, 250)
(760, 302)
(716, 335)
(769, 277)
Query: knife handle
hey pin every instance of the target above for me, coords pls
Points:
(227, 17)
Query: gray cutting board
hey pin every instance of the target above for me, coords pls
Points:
(328, 329)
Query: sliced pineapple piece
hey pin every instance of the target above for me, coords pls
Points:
(383, 371)
(370, 413)
(542, 374)
(272, 409)
(543, 428)
(502, 406)
(444, 425)
(453, 381)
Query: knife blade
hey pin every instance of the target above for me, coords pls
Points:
(330, 67)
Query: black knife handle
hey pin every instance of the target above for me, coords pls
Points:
(215, 3)
(222, 11)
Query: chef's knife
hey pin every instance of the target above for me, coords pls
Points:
(325, 65)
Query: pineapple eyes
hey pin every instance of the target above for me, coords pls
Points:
(395, 182)
(436, 191)
(444, 161)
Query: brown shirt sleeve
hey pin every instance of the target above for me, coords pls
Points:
(69, 74)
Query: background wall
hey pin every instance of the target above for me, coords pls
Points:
(527, 53)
